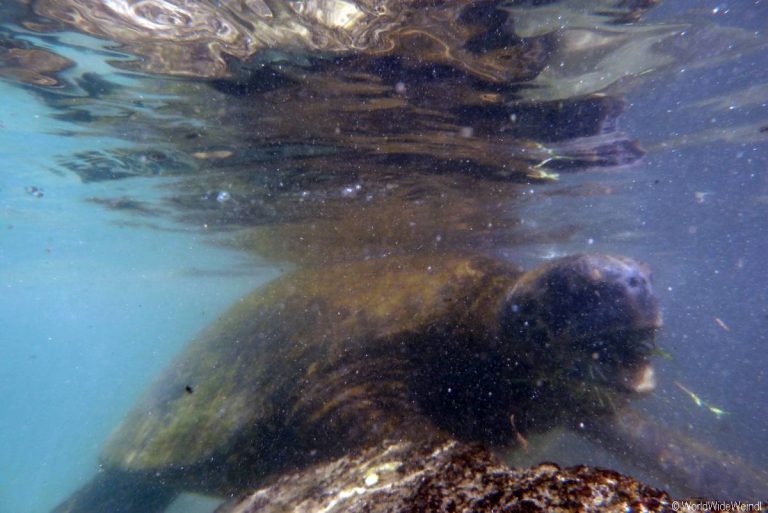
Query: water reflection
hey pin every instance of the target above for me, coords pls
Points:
(200, 40)
(409, 147)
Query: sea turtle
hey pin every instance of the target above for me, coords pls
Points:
(392, 343)
(335, 360)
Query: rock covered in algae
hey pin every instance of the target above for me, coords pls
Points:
(448, 477)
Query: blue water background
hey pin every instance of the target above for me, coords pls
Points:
(708, 214)
(91, 309)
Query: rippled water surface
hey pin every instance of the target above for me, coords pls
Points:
(160, 161)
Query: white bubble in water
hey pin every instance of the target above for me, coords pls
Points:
(223, 196)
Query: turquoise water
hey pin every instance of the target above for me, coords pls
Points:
(90, 310)
(95, 301)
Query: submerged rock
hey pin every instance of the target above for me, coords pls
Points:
(448, 477)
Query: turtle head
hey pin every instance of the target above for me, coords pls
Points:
(589, 322)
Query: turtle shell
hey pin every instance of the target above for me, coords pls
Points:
(329, 360)
(314, 361)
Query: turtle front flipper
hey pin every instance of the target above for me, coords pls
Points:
(113, 491)
(685, 463)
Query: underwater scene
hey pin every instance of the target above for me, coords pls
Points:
(377, 255)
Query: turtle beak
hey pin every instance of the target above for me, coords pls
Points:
(640, 379)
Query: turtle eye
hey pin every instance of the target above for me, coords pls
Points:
(637, 280)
